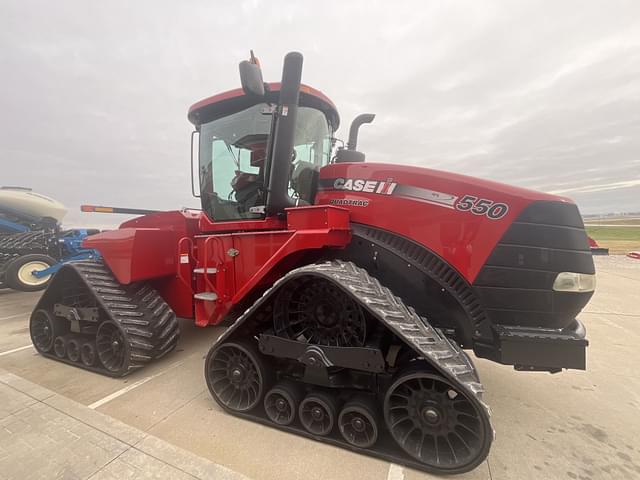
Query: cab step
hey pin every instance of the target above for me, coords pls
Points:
(206, 296)
(201, 270)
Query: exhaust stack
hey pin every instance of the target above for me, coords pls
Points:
(350, 154)
(355, 127)
(282, 149)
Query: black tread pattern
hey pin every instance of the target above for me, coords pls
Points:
(148, 322)
(428, 342)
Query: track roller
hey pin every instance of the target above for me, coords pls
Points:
(236, 375)
(421, 405)
(318, 413)
(112, 346)
(358, 422)
(315, 311)
(43, 328)
(281, 402)
(88, 354)
(60, 347)
(127, 326)
(434, 422)
(73, 348)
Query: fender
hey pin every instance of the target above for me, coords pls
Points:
(459, 218)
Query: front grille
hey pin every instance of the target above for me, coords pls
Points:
(515, 285)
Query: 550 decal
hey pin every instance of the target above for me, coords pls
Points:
(465, 203)
(482, 206)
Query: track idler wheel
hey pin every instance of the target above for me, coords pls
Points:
(281, 403)
(318, 413)
(73, 349)
(113, 350)
(358, 423)
(44, 327)
(60, 347)
(88, 354)
(316, 311)
(435, 423)
(236, 375)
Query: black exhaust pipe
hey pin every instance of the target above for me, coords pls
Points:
(355, 126)
(350, 154)
(282, 152)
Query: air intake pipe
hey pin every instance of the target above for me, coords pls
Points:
(282, 150)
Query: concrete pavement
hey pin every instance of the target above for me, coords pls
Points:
(45, 435)
(571, 425)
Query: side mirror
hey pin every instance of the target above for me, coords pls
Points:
(251, 77)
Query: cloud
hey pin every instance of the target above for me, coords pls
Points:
(544, 94)
(598, 188)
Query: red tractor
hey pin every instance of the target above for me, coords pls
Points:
(352, 289)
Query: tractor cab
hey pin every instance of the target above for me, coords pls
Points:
(236, 142)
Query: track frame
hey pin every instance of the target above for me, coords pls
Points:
(443, 356)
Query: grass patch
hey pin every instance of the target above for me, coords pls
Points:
(619, 240)
(613, 233)
(612, 221)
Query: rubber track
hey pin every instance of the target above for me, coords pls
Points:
(415, 331)
(150, 325)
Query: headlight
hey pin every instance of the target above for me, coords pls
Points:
(574, 282)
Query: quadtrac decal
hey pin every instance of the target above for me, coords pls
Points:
(465, 203)
(348, 202)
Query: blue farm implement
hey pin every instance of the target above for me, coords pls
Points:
(32, 245)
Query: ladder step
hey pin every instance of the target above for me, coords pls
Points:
(209, 270)
(206, 296)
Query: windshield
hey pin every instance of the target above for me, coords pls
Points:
(232, 158)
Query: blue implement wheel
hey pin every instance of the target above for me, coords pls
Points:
(19, 273)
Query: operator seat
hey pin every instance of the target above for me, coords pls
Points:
(304, 180)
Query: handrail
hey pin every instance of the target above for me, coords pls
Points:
(221, 273)
(205, 264)
(180, 253)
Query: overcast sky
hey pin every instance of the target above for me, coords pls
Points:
(541, 94)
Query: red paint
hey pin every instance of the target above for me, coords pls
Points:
(167, 248)
(182, 221)
(147, 248)
(263, 256)
(152, 246)
(135, 254)
(206, 225)
(212, 252)
(238, 92)
(463, 239)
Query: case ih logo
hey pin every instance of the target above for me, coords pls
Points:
(368, 186)
(463, 203)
